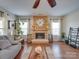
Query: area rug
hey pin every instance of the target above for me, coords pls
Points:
(46, 53)
(49, 53)
(26, 53)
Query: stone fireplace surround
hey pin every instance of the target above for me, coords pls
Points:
(40, 35)
(40, 32)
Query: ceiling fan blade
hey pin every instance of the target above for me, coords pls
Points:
(36, 3)
(52, 3)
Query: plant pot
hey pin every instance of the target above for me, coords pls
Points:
(66, 41)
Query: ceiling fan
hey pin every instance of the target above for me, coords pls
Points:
(52, 3)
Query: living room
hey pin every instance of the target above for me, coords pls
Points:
(52, 32)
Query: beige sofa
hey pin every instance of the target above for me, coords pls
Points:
(8, 50)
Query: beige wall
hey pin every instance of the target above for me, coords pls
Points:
(70, 20)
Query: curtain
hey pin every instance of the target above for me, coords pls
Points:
(1, 22)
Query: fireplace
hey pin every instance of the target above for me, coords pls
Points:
(40, 35)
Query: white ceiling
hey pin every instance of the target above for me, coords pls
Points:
(24, 7)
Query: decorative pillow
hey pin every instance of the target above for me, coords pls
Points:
(4, 44)
(6, 37)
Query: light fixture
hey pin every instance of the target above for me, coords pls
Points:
(52, 3)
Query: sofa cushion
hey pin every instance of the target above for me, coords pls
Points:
(11, 40)
(4, 44)
(1, 37)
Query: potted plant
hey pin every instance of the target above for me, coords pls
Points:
(63, 35)
(18, 31)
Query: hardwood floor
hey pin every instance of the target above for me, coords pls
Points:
(62, 51)
(57, 50)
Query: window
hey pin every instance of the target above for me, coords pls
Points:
(56, 28)
(24, 27)
(1, 26)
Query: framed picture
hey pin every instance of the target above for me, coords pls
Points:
(10, 24)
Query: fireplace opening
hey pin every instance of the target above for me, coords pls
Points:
(40, 35)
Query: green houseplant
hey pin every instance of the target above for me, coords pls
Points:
(18, 31)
